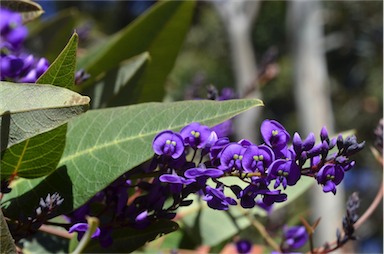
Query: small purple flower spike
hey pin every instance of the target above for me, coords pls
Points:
(168, 143)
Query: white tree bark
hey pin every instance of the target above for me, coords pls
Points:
(313, 103)
(238, 17)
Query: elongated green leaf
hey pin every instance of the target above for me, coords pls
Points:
(27, 110)
(28, 10)
(6, 241)
(160, 32)
(103, 144)
(117, 87)
(62, 71)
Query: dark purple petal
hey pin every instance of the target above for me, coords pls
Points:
(81, 228)
(197, 172)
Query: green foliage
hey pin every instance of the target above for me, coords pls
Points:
(103, 144)
(48, 37)
(28, 110)
(113, 88)
(160, 32)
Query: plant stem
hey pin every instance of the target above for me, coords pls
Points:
(260, 227)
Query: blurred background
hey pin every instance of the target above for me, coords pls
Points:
(313, 63)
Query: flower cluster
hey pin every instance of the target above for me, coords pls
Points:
(16, 65)
(195, 161)
(25, 226)
(265, 168)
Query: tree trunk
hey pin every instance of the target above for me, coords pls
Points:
(313, 103)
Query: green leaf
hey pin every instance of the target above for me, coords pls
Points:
(35, 157)
(103, 144)
(39, 155)
(119, 86)
(62, 71)
(126, 240)
(6, 241)
(27, 110)
(48, 37)
(160, 31)
(28, 10)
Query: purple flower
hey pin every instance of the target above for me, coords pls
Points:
(231, 157)
(329, 176)
(294, 238)
(81, 228)
(243, 246)
(10, 66)
(12, 29)
(217, 200)
(202, 171)
(274, 134)
(285, 172)
(168, 143)
(195, 135)
(257, 158)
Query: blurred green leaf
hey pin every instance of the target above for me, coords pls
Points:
(62, 71)
(160, 31)
(48, 37)
(6, 241)
(118, 87)
(28, 10)
(103, 144)
(126, 240)
(27, 110)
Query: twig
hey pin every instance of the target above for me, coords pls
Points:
(263, 232)
(54, 231)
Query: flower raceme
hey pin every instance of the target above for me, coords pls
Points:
(264, 167)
